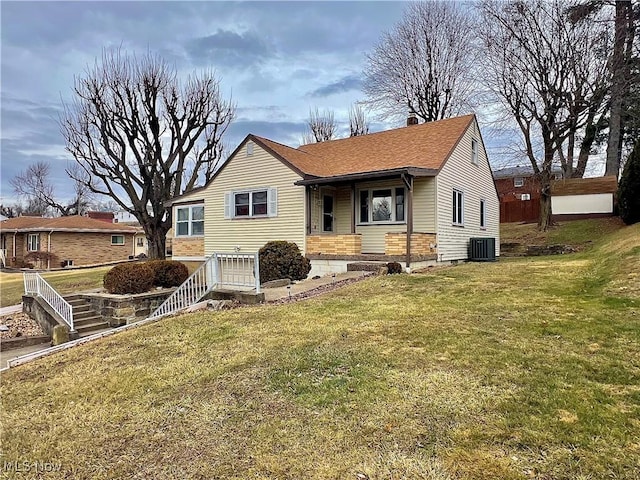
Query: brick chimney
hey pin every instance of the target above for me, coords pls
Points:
(102, 216)
(412, 119)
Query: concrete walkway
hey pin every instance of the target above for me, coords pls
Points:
(17, 352)
(11, 309)
(278, 293)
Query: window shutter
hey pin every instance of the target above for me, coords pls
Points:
(227, 205)
(272, 199)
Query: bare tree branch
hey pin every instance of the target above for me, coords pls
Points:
(141, 137)
(425, 64)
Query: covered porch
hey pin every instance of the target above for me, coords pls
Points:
(365, 217)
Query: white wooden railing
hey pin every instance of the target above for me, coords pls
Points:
(34, 284)
(3, 257)
(219, 270)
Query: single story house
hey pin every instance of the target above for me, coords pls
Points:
(72, 240)
(576, 198)
(348, 200)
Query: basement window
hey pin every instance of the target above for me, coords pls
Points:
(117, 239)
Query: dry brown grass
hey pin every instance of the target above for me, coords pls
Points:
(524, 368)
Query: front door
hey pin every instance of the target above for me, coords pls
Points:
(327, 212)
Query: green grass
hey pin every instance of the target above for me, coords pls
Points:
(12, 284)
(578, 233)
(525, 368)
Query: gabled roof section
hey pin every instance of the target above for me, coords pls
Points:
(585, 186)
(425, 146)
(73, 223)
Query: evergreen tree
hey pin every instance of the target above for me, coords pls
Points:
(629, 188)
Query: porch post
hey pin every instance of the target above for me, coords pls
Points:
(408, 180)
(353, 208)
(307, 189)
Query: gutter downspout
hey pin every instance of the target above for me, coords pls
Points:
(49, 251)
(14, 244)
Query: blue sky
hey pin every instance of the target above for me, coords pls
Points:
(276, 60)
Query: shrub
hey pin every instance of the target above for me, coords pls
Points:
(282, 259)
(394, 267)
(42, 259)
(129, 278)
(168, 273)
(629, 188)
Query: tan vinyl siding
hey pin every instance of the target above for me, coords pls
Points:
(476, 182)
(424, 205)
(260, 170)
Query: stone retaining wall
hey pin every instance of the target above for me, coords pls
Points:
(124, 309)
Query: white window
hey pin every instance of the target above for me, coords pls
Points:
(140, 242)
(458, 207)
(117, 239)
(525, 196)
(382, 205)
(518, 182)
(33, 242)
(474, 151)
(190, 221)
(251, 203)
(483, 213)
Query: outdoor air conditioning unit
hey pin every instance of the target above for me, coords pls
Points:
(482, 249)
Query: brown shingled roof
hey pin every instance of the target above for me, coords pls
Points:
(75, 223)
(427, 146)
(584, 186)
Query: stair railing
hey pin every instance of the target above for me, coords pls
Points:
(34, 284)
(220, 269)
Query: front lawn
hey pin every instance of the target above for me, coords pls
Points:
(12, 284)
(524, 368)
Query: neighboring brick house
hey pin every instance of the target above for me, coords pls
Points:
(519, 183)
(519, 193)
(72, 240)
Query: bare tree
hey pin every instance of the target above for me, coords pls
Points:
(536, 71)
(620, 66)
(11, 211)
(321, 126)
(35, 184)
(358, 122)
(142, 137)
(425, 64)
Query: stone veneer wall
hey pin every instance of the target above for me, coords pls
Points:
(350, 244)
(124, 309)
(187, 247)
(396, 243)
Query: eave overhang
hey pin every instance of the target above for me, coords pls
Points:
(375, 175)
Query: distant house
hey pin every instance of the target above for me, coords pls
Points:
(577, 198)
(73, 240)
(519, 193)
(140, 241)
(348, 200)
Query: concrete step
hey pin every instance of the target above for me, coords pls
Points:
(73, 298)
(83, 313)
(87, 320)
(91, 328)
(81, 308)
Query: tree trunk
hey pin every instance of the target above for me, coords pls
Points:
(157, 238)
(545, 206)
(618, 70)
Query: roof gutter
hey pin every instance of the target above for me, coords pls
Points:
(378, 174)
